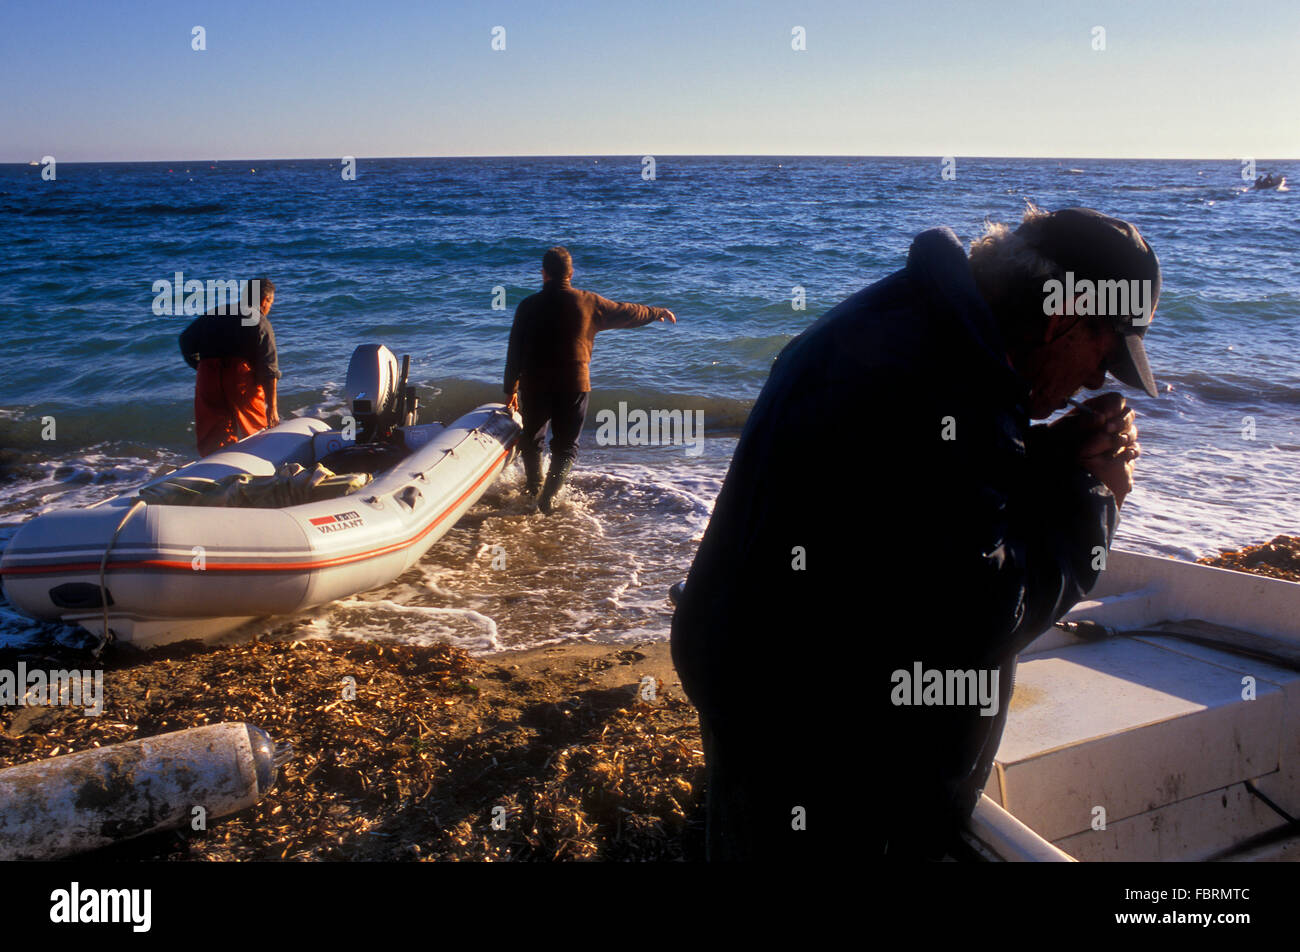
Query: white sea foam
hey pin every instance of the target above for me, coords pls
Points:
(357, 619)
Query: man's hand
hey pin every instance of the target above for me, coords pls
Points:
(271, 391)
(1110, 431)
(1079, 434)
(668, 316)
(1115, 471)
(1108, 443)
(513, 405)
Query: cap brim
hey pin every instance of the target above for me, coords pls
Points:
(1130, 365)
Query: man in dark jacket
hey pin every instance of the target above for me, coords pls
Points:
(238, 369)
(889, 506)
(547, 366)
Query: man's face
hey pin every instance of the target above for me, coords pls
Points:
(1074, 353)
(267, 301)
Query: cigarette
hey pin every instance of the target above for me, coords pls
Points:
(1085, 408)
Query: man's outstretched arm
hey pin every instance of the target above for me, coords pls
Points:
(615, 314)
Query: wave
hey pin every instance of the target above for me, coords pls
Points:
(107, 213)
(149, 425)
(1233, 390)
(449, 398)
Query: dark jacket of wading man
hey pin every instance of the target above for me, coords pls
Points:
(238, 367)
(850, 540)
(547, 363)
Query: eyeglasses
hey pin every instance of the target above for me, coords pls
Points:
(1065, 333)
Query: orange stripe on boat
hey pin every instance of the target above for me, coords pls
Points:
(187, 566)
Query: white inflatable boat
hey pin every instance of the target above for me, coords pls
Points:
(153, 573)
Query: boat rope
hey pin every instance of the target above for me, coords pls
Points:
(103, 568)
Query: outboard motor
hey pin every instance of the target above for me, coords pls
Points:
(381, 401)
(378, 392)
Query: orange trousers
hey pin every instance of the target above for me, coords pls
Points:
(229, 403)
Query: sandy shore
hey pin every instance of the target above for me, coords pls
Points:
(564, 743)
(557, 741)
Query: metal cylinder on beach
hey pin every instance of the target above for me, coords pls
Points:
(77, 802)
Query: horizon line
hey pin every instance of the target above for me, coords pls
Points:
(674, 155)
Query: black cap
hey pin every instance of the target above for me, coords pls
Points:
(1096, 247)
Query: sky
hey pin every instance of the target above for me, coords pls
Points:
(119, 81)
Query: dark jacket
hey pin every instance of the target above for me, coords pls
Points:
(226, 335)
(553, 332)
(955, 553)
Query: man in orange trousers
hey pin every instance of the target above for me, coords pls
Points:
(238, 367)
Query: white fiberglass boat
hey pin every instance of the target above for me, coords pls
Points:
(1171, 732)
(175, 560)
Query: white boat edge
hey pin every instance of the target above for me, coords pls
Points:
(477, 447)
(1138, 591)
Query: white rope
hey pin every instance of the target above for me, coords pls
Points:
(103, 567)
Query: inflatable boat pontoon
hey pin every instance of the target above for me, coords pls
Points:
(153, 572)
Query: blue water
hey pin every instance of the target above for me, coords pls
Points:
(409, 255)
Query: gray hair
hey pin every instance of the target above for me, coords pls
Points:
(1008, 271)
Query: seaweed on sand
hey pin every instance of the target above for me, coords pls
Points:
(439, 757)
(1279, 558)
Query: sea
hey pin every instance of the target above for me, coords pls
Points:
(430, 257)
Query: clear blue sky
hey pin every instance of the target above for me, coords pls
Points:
(96, 80)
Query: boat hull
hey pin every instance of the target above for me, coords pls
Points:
(176, 572)
(1174, 737)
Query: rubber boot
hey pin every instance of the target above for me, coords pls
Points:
(554, 480)
(532, 473)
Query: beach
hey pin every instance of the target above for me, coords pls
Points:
(387, 395)
(567, 747)
(495, 677)
(580, 751)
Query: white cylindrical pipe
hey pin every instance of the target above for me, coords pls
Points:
(77, 802)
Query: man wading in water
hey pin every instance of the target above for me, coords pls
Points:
(235, 391)
(890, 505)
(547, 366)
